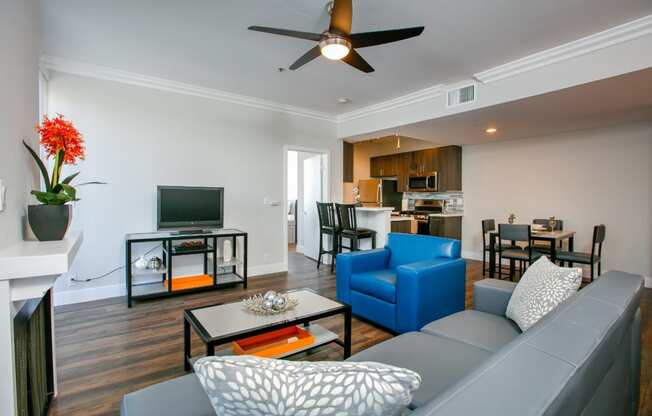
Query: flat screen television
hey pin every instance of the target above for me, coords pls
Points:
(190, 207)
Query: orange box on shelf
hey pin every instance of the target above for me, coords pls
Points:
(190, 282)
(275, 343)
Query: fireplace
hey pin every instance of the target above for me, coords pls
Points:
(33, 357)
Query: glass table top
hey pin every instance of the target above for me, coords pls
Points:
(232, 318)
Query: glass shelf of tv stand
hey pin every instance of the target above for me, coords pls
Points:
(174, 235)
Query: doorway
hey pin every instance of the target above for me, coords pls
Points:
(306, 183)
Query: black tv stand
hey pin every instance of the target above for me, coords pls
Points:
(217, 271)
(188, 232)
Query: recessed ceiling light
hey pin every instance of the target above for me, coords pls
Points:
(344, 100)
(491, 130)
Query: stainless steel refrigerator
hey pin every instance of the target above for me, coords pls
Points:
(380, 193)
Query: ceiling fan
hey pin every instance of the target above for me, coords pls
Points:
(338, 43)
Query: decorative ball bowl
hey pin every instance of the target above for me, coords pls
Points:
(271, 303)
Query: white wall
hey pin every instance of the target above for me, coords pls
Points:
(585, 178)
(139, 137)
(20, 51)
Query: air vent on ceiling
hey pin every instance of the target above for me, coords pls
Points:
(459, 96)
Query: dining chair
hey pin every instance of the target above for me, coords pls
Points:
(516, 233)
(595, 256)
(489, 226)
(348, 228)
(545, 247)
(327, 226)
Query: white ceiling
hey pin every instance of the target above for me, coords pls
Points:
(622, 99)
(206, 43)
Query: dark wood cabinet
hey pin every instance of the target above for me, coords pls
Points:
(424, 161)
(446, 161)
(447, 227)
(402, 226)
(384, 166)
(450, 168)
(347, 163)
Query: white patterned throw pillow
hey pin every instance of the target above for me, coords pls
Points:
(543, 286)
(247, 385)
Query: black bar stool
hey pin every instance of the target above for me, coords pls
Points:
(327, 226)
(348, 228)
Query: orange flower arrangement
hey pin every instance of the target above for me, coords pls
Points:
(62, 141)
(59, 134)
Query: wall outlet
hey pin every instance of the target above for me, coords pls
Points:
(3, 195)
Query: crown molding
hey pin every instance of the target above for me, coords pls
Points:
(618, 34)
(394, 103)
(50, 63)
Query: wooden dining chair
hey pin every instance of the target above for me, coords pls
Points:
(545, 247)
(488, 227)
(348, 228)
(595, 256)
(517, 233)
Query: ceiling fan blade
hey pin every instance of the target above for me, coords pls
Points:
(341, 17)
(291, 33)
(355, 60)
(363, 40)
(307, 57)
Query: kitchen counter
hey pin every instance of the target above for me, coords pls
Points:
(449, 214)
(404, 218)
(375, 209)
(377, 219)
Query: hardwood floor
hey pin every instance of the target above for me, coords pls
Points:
(105, 350)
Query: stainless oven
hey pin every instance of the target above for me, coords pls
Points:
(423, 182)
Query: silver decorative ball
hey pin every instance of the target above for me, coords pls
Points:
(270, 296)
(280, 302)
(268, 304)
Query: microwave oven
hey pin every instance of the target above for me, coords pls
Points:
(423, 182)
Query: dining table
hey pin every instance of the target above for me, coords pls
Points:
(551, 237)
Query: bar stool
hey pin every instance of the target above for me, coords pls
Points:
(348, 228)
(327, 226)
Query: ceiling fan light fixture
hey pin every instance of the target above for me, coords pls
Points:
(335, 47)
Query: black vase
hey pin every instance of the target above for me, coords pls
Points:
(49, 222)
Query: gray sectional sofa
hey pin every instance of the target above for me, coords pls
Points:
(583, 358)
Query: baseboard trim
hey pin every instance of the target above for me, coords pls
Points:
(80, 294)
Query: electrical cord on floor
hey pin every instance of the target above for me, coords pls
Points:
(90, 279)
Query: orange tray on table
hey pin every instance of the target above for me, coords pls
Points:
(275, 343)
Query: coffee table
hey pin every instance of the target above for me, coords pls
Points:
(224, 323)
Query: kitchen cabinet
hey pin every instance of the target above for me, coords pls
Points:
(384, 166)
(424, 161)
(347, 163)
(450, 168)
(446, 161)
(447, 227)
(402, 226)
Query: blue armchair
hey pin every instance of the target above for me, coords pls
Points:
(413, 281)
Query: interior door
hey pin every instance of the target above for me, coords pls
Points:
(312, 193)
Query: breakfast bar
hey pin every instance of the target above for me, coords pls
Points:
(377, 219)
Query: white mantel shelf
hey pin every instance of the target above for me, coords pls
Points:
(28, 269)
(39, 258)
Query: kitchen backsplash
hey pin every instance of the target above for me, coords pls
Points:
(455, 199)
